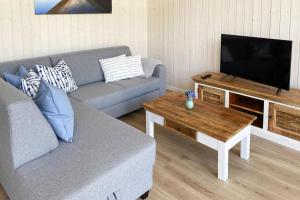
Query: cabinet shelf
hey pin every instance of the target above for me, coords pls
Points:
(246, 109)
(249, 105)
(246, 103)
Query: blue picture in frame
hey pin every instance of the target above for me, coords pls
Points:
(43, 7)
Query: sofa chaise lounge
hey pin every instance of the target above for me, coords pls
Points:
(108, 159)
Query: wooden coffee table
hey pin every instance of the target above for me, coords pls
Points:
(215, 126)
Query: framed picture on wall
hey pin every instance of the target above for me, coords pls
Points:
(43, 7)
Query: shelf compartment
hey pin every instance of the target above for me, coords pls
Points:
(248, 105)
(258, 122)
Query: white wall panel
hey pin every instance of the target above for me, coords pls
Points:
(196, 27)
(24, 34)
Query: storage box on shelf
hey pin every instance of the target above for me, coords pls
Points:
(278, 116)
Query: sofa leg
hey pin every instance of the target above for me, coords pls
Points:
(145, 196)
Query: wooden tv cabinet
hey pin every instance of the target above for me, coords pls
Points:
(278, 116)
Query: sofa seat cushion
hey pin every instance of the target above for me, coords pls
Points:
(138, 86)
(98, 95)
(101, 95)
(105, 155)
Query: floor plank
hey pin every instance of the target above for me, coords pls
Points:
(186, 170)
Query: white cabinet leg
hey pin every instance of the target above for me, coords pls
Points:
(223, 156)
(245, 147)
(149, 124)
(196, 90)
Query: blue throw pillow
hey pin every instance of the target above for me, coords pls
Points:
(15, 79)
(56, 107)
(22, 71)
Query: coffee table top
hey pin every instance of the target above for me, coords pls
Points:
(213, 120)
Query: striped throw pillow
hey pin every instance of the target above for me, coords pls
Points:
(115, 69)
(67, 75)
(135, 66)
(52, 76)
(30, 84)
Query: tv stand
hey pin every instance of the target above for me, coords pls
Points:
(277, 111)
(228, 77)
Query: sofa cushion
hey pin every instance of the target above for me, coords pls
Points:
(15, 79)
(98, 95)
(138, 86)
(67, 74)
(106, 155)
(12, 66)
(135, 66)
(56, 107)
(101, 95)
(85, 66)
(30, 84)
(115, 69)
(52, 76)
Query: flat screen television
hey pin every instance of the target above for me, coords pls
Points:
(267, 61)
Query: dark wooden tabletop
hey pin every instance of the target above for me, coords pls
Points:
(216, 121)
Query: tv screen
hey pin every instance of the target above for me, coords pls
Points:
(267, 61)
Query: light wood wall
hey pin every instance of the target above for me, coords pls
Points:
(186, 34)
(24, 34)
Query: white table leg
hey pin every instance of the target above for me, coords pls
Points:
(245, 147)
(223, 156)
(149, 124)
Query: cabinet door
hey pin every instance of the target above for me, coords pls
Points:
(284, 121)
(211, 95)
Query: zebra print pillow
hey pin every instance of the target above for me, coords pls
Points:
(52, 76)
(30, 84)
(67, 75)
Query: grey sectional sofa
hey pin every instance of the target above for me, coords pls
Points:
(108, 159)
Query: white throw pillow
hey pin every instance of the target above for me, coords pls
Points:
(135, 66)
(115, 69)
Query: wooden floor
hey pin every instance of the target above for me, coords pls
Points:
(186, 170)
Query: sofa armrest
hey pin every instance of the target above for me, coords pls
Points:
(25, 134)
(161, 72)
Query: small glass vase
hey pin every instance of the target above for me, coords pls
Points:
(189, 104)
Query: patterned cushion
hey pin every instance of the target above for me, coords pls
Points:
(135, 66)
(30, 84)
(115, 68)
(51, 76)
(67, 75)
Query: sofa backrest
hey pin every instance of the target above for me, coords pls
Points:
(12, 66)
(85, 66)
(25, 133)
